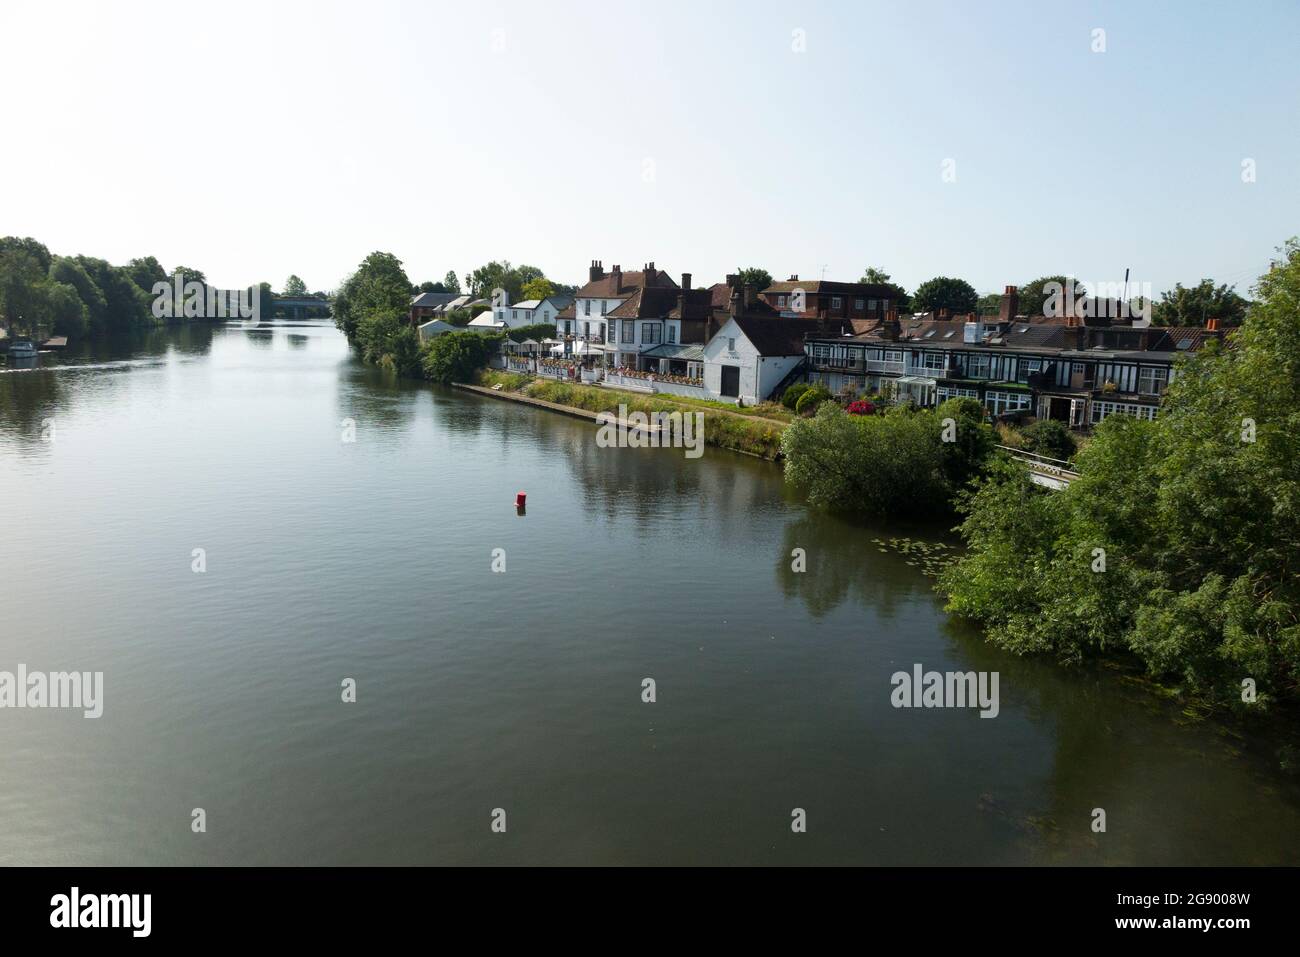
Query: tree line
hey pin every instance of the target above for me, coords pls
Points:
(44, 294)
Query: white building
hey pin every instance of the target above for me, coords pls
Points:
(531, 312)
(750, 356)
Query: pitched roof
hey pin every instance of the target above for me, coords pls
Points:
(824, 286)
(427, 300)
(605, 288)
(774, 336)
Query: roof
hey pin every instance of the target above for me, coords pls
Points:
(776, 337)
(427, 300)
(688, 353)
(606, 288)
(875, 289)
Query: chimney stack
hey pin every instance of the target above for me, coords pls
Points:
(891, 328)
(617, 275)
(596, 271)
(749, 296)
(1212, 324)
(794, 278)
(1009, 307)
(651, 274)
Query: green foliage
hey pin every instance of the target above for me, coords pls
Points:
(450, 282)
(898, 295)
(790, 398)
(881, 465)
(760, 279)
(1191, 307)
(379, 286)
(972, 440)
(537, 331)
(293, 286)
(1034, 295)
(811, 399)
(458, 356)
(539, 288)
(1198, 514)
(502, 275)
(943, 292)
(1050, 438)
(145, 272)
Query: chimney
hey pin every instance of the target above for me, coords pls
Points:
(943, 313)
(596, 271)
(749, 296)
(682, 294)
(1009, 307)
(794, 278)
(891, 328)
(734, 306)
(617, 275)
(1212, 324)
(686, 281)
(651, 274)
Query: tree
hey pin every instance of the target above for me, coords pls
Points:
(450, 282)
(754, 276)
(1034, 295)
(956, 295)
(1050, 438)
(539, 288)
(37, 250)
(126, 305)
(881, 465)
(295, 287)
(457, 356)
(989, 304)
(1177, 543)
(72, 273)
(878, 277)
(379, 284)
(502, 275)
(1191, 307)
(967, 441)
(188, 274)
(145, 272)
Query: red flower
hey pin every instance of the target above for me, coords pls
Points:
(861, 407)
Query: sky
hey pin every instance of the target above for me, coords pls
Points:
(990, 141)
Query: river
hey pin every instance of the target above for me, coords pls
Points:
(372, 560)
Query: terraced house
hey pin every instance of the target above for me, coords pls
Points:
(1066, 368)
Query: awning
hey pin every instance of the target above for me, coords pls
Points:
(684, 353)
(581, 348)
(914, 380)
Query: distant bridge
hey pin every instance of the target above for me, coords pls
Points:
(297, 306)
(1048, 472)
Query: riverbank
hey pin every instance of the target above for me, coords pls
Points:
(749, 433)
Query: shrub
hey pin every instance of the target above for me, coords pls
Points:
(1050, 438)
(811, 399)
(790, 398)
(457, 356)
(861, 407)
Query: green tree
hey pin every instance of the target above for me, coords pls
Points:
(295, 287)
(989, 305)
(146, 271)
(754, 276)
(1033, 295)
(72, 273)
(539, 288)
(126, 305)
(967, 441)
(898, 295)
(956, 295)
(457, 356)
(379, 285)
(450, 283)
(1191, 307)
(1194, 518)
(882, 465)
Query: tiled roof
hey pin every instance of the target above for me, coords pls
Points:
(776, 336)
(875, 290)
(604, 288)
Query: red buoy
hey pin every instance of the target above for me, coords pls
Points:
(521, 499)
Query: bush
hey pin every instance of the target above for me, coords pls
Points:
(811, 399)
(1050, 438)
(861, 407)
(791, 396)
(457, 356)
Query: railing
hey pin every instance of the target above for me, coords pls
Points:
(1044, 470)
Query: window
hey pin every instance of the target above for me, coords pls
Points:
(1102, 409)
(629, 331)
(859, 304)
(873, 305)
(731, 345)
(603, 304)
(836, 302)
(672, 333)
(934, 360)
(891, 356)
(955, 392)
(780, 301)
(1076, 368)
(650, 332)
(568, 326)
(977, 367)
(586, 330)
(1000, 403)
(1152, 381)
(586, 307)
(1028, 367)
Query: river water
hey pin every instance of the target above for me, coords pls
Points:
(521, 690)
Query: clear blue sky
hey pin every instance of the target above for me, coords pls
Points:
(253, 140)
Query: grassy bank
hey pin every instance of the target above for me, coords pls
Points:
(745, 431)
